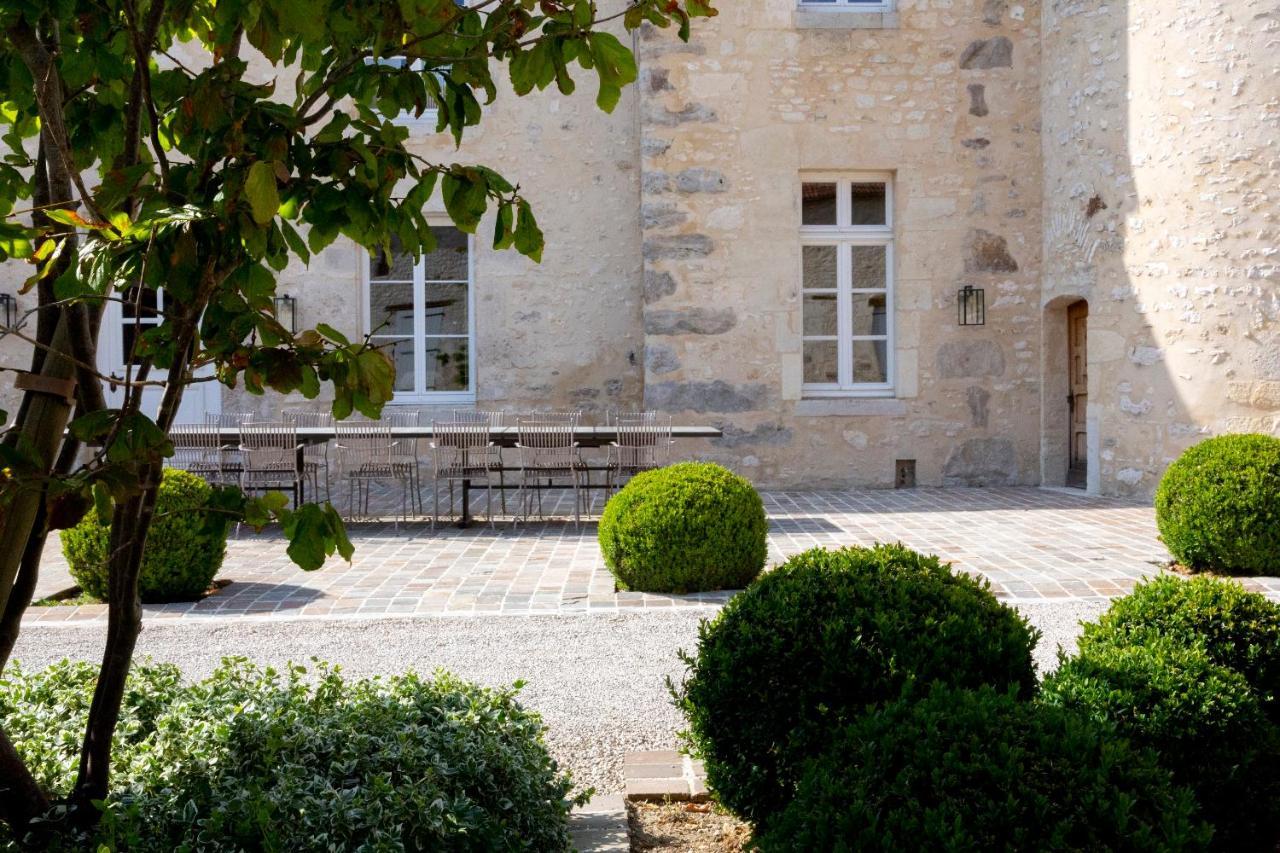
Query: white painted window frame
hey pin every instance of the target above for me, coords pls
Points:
(419, 396)
(844, 236)
(848, 5)
(430, 116)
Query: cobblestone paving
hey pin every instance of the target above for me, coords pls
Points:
(1032, 544)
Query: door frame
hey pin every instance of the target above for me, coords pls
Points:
(1055, 424)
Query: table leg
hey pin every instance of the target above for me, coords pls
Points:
(466, 505)
(300, 476)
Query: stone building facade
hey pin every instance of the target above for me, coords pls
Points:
(772, 232)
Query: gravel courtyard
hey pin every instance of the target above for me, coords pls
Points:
(598, 679)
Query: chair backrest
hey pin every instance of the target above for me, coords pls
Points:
(195, 446)
(402, 417)
(363, 443)
(461, 436)
(269, 446)
(643, 439)
(493, 419)
(308, 419)
(547, 440)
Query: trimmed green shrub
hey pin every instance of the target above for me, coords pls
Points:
(1218, 505)
(1238, 629)
(807, 648)
(1203, 719)
(181, 557)
(979, 770)
(688, 527)
(254, 759)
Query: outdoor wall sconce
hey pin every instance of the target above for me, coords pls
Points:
(8, 309)
(971, 306)
(287, 312)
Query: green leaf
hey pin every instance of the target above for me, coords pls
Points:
(260, 189)
(102, 503)
(332, 334)
(528, 236)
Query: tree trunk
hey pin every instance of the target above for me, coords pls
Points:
(42, 430)
(21, 799)
(130, 523)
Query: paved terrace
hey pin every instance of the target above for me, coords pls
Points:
(1032, 544)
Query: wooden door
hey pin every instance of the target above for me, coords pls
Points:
(1078, 391)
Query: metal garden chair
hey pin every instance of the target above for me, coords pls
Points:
(549, 452)
(269, 458)
(643, 443)
(315, 456)
(495, 420)
(366, 454)
(200, 451)
(405, 450)
(461, 451)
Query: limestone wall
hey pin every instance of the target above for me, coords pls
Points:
(946, 98)
(552, 335)
(1162, 174)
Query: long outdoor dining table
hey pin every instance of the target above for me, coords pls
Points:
(504, 436)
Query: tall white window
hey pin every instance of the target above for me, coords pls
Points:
(846, 239)
(422, 316)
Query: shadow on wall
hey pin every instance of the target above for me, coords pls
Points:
(1156, 213)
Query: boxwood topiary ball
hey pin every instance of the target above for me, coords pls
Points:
(1236, 628)
(1218, 505)
(1204, 720)
(821, 640)
(982, 770)
(688, 527)
(180, 559)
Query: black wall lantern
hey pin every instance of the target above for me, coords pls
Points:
(287, 312)
(8, 308)
(971, 306)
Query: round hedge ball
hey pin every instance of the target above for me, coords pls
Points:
(1218, 505)
(689, 527)
(180, 559)
(817, 642)
(1236, 628)
(981, 770)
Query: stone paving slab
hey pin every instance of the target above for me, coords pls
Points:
(662, 775)
(1032, 544)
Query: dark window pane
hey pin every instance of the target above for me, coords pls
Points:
(396, 266)
(400, 351)
(870, 361)
(870, 314)
(819, 267)
(446, 309)
(869, 267)
(868, 204)
(447, 365)
(147, 307)
(818, 204)
(449, 261)
(820, 361)
(819, 314)
(391, 309)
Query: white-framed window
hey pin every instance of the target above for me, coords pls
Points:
(407, 117)
(849, 5)
(423, 315)
(846, 283)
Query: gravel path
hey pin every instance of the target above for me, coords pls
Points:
(597, 679)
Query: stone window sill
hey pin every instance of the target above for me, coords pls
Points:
(843, 19)
(850, 406)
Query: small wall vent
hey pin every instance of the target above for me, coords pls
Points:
(904, 474)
